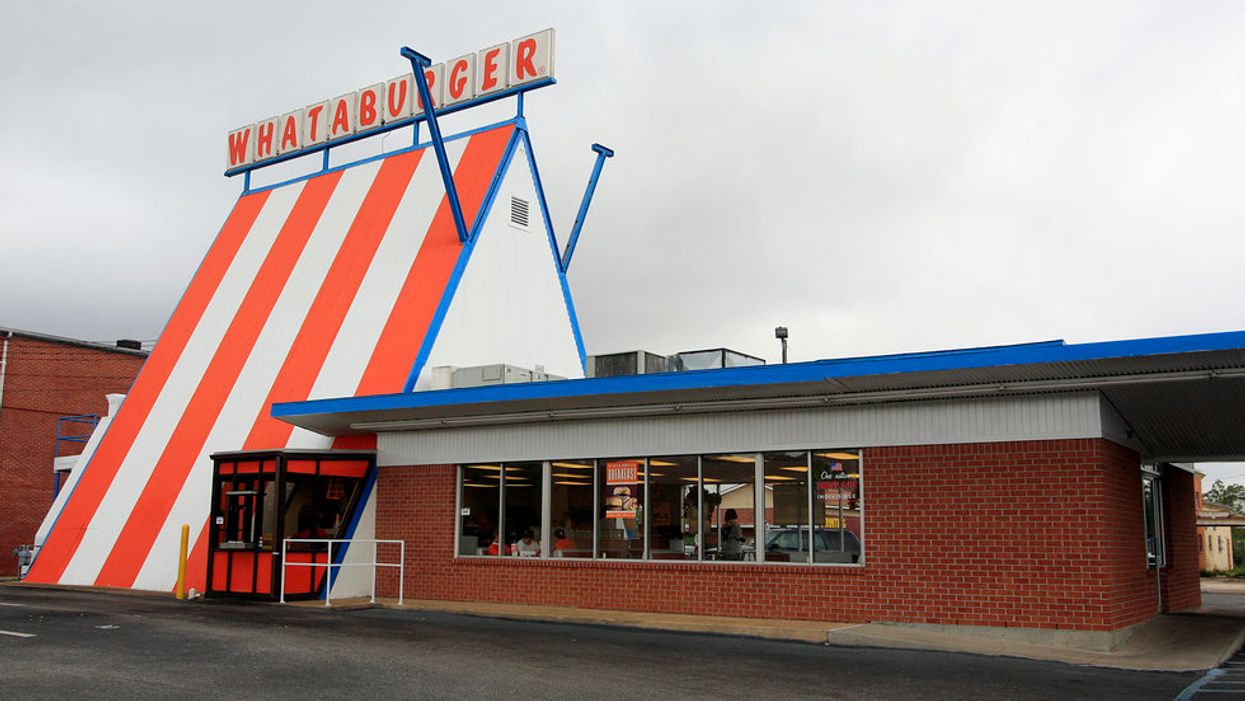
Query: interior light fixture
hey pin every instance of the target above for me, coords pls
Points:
(662, 463)
(578, 484)
(572, 465)
(569, 474)
(779, 478)
(733, 458)
(654, 474)
(802, 468)
(472, 484)
(838, 456)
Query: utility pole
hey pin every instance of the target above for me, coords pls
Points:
(780, 333)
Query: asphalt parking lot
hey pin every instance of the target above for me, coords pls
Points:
(71, 644)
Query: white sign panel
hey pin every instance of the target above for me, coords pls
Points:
(489, 71)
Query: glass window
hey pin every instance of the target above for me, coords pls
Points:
(735, 359)
(572, 513)
(1152, 505)
(673, 506)
(479, 500)
(786, 507)
(730, 505)
(836, 506)
(523, 492)
(698, 360)
(620, 530)
(683, 507)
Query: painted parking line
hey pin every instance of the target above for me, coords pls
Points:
(1225, 683)
(16, 634)
(5, 603)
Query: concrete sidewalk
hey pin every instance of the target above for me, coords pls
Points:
(1173, 642)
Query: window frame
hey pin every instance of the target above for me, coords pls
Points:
(760, 522)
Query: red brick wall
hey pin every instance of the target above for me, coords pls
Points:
(1181, 579)
(43, 381)
(1037, 534)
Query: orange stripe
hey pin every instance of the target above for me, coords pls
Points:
(196, 563)
(72, 523)
(325, 316)
(328, 311)
(412, 312)
(404, 330)
(169, 474)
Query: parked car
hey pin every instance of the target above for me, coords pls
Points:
(792, 544)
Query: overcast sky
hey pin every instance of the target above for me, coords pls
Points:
(879, 177)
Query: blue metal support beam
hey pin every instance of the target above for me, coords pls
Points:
(418, 63)
(602, 154)
(64, 436)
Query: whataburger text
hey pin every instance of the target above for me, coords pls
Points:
(493, 69)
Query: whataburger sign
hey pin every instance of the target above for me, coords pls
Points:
(491, 70)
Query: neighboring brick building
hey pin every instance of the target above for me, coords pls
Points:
(43, 378)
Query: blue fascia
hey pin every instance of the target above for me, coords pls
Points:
(817, 370)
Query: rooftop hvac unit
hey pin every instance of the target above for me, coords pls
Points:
(629, 363)
(496, 374)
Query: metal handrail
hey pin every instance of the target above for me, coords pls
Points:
(329, 564)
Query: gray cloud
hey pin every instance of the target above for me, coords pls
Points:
(879, 177)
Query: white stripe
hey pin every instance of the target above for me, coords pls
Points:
(101, 533)
(5, 603)
(15, 634)
(246, 398)
(361, 329)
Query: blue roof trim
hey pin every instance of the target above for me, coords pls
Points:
(991, 356)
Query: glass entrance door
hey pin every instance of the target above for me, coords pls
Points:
(242, 534)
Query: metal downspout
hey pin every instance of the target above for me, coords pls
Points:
(4, 366)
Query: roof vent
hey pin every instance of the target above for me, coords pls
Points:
(519, 212)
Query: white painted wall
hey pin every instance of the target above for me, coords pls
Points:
(353, 580)
(509, 306)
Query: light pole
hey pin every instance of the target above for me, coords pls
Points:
(780, 333)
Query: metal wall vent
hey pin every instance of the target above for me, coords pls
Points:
(520, 212)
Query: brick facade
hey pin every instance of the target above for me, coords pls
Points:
(1042, 534)
(44, 380)
(1181, 577)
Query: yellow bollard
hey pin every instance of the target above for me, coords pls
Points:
(180, 591)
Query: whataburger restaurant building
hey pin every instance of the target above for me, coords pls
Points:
(292, 396)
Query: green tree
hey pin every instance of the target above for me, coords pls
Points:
(1229, 495)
